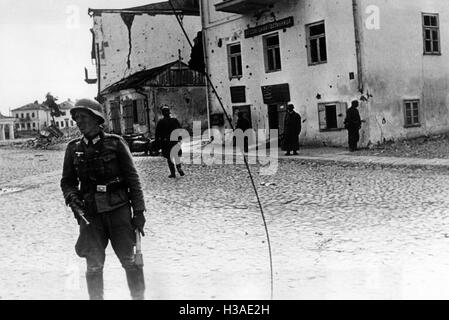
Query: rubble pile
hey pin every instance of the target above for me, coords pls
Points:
(428, 147)
(49, 142)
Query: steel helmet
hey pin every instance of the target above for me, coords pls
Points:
(89, 105)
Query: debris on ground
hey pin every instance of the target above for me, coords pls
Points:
(427, 147)
(50, 138)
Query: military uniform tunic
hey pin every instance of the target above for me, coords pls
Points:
(102, 174)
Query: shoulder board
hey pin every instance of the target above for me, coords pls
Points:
(112, 136)
(74, 141)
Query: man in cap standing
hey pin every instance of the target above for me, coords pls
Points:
(99, 180)
(164, 129)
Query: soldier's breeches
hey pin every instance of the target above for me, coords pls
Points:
(112, 226)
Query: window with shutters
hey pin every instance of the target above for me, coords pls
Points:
(316, 43)
(128, 116)
(431, 34)
(135, 113)
(411, 113)
(332, 116)
(115, 117)
(141, 112)
(272, 52)
(235, 60)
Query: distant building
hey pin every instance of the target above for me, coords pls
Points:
(141, 56)
(6, 127)
(65, 120)
(321, 54)
(36, 116)
(129, 111)
(31, 117)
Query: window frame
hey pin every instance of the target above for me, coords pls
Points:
(431, 28)
(340, 110)
(135, 112)
(316, 37)
(231, 61)
(413, 124)
(266, 53)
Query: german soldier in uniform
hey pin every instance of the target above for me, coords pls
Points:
(164, 129)
(100, 180)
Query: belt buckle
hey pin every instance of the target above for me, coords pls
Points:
(101, 188)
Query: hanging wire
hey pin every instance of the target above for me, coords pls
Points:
(243, 154)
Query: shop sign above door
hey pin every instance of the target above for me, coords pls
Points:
(268, 27)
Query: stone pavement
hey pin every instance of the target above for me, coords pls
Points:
(337, 232)
(334, 155)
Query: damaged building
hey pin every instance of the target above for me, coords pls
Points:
(142, 59)
(320, 55)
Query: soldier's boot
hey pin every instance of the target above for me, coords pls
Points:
(136, 283)
(171, 166)
(95, 285)
(181, 173)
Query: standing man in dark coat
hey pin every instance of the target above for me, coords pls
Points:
(292, 129)
(100, 183)
(164, 129)
(353, 124)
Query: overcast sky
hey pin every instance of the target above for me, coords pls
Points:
(45, 45)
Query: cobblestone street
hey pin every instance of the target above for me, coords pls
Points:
(337, 232)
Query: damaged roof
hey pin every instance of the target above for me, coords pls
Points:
(185, 7)
(138, 79)
(31, 106)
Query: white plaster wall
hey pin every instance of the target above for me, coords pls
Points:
(40, 118)
(330, 80)
(155, 42)
(396, 69)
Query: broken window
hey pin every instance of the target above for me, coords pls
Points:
(316, 43)
(235, 60)
(332, 116)
(272, 53)
(431, 33)
(411, 113)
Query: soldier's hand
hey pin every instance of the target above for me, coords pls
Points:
(77, 206)
(138, 222)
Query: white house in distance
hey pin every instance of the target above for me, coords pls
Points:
(321, 54)
(32, 116)
(36, 116)
(142, 57)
